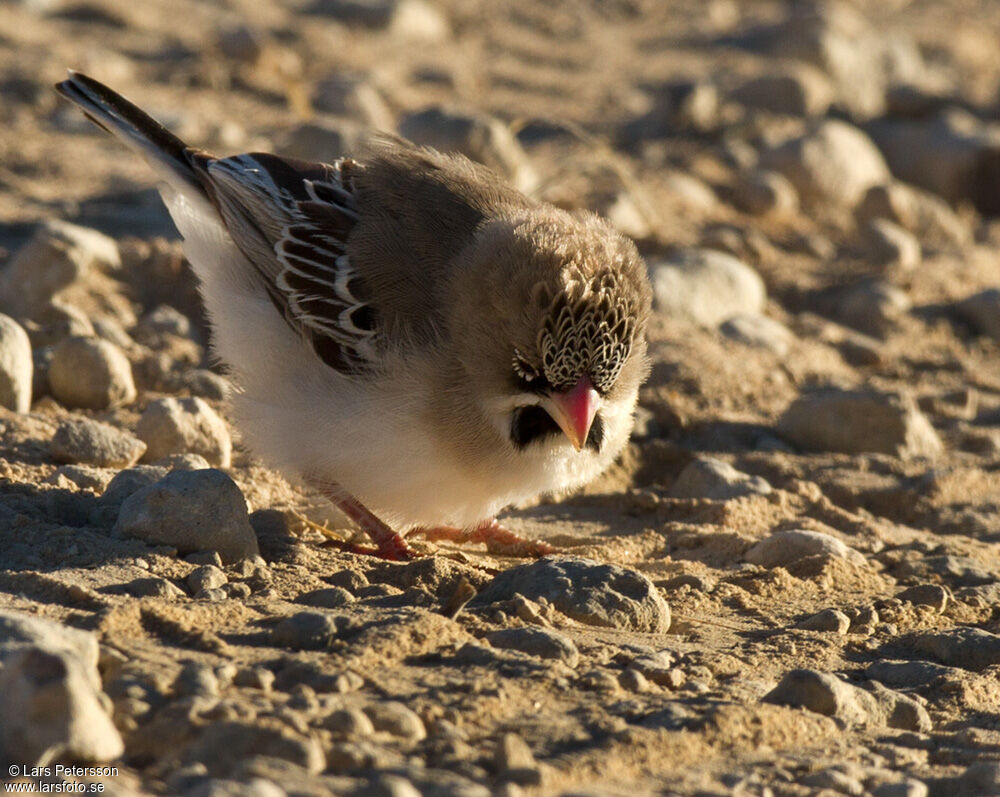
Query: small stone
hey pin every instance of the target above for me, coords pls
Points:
(68, 322)
(196, 680)
(353, 96)
(81, 440)
(982, 310)
(859, 421)
(191, 511)
(305, 631)
(905, 788)
(419, 21)
(83, 476)
(204, 383)
(348, 723)
(824, 694)
(224, 747)
(206, 577)
(981, 779)
(90, 373)
(16, 366)
(591, 593)
(254, 678)
(932, 595)
(183, 462)
(716, 480)
(538, 642)
(633, 681)
(919, 212)
(828, 620)
(968, 648)
(515, 763)
(240, 43)
(835, 163)
(396, 719)
(329, 598)
(759, 332)
(783, 548)
(204, 558)
(187, 425)
(873, 307)
(162, 320)
(153, 587)
(706, 286)
(351, 580)
(907, 674)
(888, 244)
(795, 90)
(835, 781)
(765, 193)
(323, 140)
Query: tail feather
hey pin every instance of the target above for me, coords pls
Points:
(166, 153)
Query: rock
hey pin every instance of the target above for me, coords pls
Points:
(706, 286)
(968, 648)
(48, 331)
(17, 628)
(981, 779)
(588, 592)
(240, 43)
(81, 440)
(515, 763)
(16, 366)
(830, 620)
(192, 511)
(353, 96)
(419, 21)
(872, 307)
(908, 674)
(716, 480)
(306, 631)
(923, 214)
(254, 678)
(982, 310)
(765, 193)
(904, 788)
(196, 679)
(184, 425)
(633, 681)
(824, 694)
(783, 548)
(538, 642)
(205, 577)
(90, 373)
(393, 786)
(888, 244)
(759, 332)
(482, 138)
(932, 595)
(57, 255)
(835, 781)
(854, 422)
(396, 719)
(794, 89)
(674, 106)
(223, 747)
(153, 587)
(84, 477)
(204, 383)
(348, 723)
(322, 140)
(329, 598)
(833, 163)
(899, 710)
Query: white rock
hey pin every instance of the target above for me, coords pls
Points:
(787, 547)
(888, 244)
(758, 331)
(925, 215)
(90, 373)
(765, 193)
(184, 426)
(353, 96)
(717, 480)
(706, 286)
(419, 21)
(16, 366)
(81, 440)
(795, 89)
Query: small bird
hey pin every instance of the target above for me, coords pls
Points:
(406, 333)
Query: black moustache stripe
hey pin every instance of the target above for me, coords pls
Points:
(533, 425)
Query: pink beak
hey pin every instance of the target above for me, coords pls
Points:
(574, 411)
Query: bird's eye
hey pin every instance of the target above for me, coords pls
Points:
(529, 377)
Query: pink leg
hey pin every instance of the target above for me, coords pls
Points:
(389, 544)
(498, 539)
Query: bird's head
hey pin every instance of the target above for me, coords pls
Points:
(550, 325)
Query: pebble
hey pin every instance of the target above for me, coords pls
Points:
(907, 674)
(479, 137)
(759, 332)
(706, 286)
(91, 374)
(873, 307)
(968, 648)
(16, 366)
(50, 332)
(396, 719)
(831, 620)
(84, 477)
(348, 723)
(223, 787)
(888, 244)
(933, 595)
(328, 598)
(538, 642)
(393, 786)
(982, 310)
(185, 425)
(321, 140)
(205, 577)
(191, 511)
(204, 383)
(306, 631)
(353, 96)
(162, 320)
(765, 193)
(904, 788)
(196, 679)
(795, 90)
(57, 255)
(153, 587)
(204, 558)
(981, 779)
(588, 592)
(716, 480)
(240, 43)
(826, 694)
(633, 680)
(224, 747)
(919, 212)
(833, 163)
(515, 762)
(254, 678)
(783, 548)
(81, 440)
(859, 421)
(835, 781)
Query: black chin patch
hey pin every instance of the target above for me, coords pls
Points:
(533, 424)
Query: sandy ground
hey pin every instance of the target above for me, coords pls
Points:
(910, 703)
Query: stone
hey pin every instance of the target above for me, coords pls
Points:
(85, 477)
(396, 719)
(833, 163)
(887, 244)
(982, 310)
(419, 21)
(826, 694)
(204, 383)
(981, 779)
(348, 723)
(705, 286)
(57, 255)
(152, 587)
(16, 366)
(240, 43)
(830, 620)
(835, 781)
(964, 647)
(716, 480)
(205, 577)
(479, 137)
(223, 747)
(90, 373)
(320, 140)
(17, 628)
(676, 105)
(765, 193)
(873, 307)
(353, 96)
(904, 788)
(759, 332)
(783, 548)
(919, 212)
(538, 642)
(306, 631)
(328, 598)
(854, 422)
(794, 89)
(393, 786)
(81, 440)
(588, 592)
(196, 679)
(933, 595)
(182, 426)
(515, 763)
(192, 511)
(162, 320)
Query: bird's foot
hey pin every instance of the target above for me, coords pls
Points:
(498, 539)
